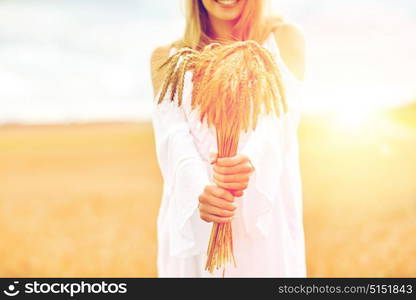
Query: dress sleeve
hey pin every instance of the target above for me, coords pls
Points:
(264, 148)
(185, 175)
(268, 147)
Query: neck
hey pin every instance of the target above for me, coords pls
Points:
(220, 29)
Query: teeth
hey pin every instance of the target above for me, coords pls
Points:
(227, 2)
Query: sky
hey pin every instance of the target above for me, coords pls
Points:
(87, 60)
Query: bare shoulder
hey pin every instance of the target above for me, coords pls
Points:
(291, 41)
(290, 33)
(157, 58)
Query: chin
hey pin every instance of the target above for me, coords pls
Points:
(226, 10)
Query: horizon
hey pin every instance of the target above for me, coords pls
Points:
(79, 60)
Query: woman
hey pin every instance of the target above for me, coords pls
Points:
(259, 189)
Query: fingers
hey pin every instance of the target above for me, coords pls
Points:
(232, 182)
(232, 161)
(209, 209)
(241, 177)
(216, 205)
(211, 218)
(217, 202)
(237, 193)
(233, 173)
(238, 169)
(231, 185)
(219, 193)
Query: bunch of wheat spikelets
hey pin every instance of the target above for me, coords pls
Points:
(232, 85)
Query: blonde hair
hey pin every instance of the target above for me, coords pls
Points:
(253, 24)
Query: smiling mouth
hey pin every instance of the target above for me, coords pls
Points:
(227, 3)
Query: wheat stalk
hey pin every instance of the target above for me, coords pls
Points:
(232, 85)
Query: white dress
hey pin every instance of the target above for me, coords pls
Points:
(268, 226)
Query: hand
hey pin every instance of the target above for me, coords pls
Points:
(232, 173)
(216, 205)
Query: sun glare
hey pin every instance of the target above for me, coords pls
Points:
(353, 119)
(350, 119)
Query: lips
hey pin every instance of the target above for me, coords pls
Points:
(227, 3)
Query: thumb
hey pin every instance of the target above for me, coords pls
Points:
(213, 157)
